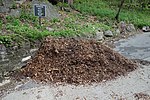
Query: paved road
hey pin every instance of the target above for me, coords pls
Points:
(122, 88)
(136, 47)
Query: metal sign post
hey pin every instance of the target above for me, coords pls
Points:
(40, 11)
(40, 21)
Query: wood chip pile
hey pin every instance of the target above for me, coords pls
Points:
(76, 61)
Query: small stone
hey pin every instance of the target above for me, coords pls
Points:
(99, 36)
(122, 27)
(117, 31)
(108, 33)
(144, 28)
(49, 29)
(4, 9)
(67, 9)
(33, 50)
(38, 96)
(26, 59)
(4, 82)
(15, 12)
(20, 1)
(8, 3)
(130, 28)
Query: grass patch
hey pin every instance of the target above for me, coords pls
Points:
(102, 10)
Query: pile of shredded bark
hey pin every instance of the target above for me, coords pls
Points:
(76, 61)
(141, 96)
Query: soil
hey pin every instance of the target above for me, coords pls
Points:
(76, 61)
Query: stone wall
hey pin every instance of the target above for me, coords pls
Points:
(51, 11)
(12, 7)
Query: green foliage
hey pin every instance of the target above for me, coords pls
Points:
(61, 4)
(16, 22)
(106, 9)
(12, 40)
(25, 31)
(9, 18)
(27, 16)
(26, 27)
(1, 2)
(76, 25)
(6, 40)
(1, 24)
(14, 5)
(55, 20)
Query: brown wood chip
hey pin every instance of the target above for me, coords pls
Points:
(76, 61)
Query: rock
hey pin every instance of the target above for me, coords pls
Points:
(130, 28)
(4, 82)
(99, 35)
(117, 31)
(49, 29)
(15, 12)
(51, 12)
(3, 54)
(33, 50)
(8, 3)
(26, 59)
(20, 1)
(108, 33)
(146, 29)
(2, 48)
(122, 27)
(67, 9)
(4, 9)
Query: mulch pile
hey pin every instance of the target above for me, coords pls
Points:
(76, 61)
(141, 96)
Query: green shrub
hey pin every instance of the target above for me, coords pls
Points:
(28, 16)
(6, 40)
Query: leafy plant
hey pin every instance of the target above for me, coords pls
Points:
(6, 40)
(1, 24)
(27, 16)
(14, 5)
(107, 9)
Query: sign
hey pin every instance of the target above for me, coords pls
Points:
(40, 10)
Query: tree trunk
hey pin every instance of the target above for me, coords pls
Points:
(117, 15)
(70, 2)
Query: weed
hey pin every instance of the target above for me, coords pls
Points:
(27, 16)
(102, 9)
(9, 18)
(26, 27)
(55, 20)
(6, 40)
(14, 6)
(1, 24)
